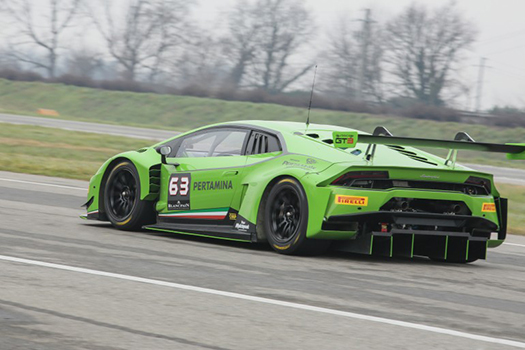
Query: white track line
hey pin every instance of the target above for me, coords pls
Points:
(515, 244)
(272, 302)
(44, 184)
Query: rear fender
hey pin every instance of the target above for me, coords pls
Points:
(257, 183)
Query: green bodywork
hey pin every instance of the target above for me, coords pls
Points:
(309, 157)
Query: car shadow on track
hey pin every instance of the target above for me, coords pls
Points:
(265, 248)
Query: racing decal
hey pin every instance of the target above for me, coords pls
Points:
(294, 163)
(179, 192)
(212, 185)
(345, 139)
(311, 161)
(351, 200)
(93, 215)
(208, 214)
(488, 208)
(243, 225)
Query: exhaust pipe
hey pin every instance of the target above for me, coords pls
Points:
(401, 205)
(456, 208)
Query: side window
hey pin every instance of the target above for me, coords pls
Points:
(230, 145)
(260, 143)
(217, 143)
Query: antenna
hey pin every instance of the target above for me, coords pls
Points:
(311, 99)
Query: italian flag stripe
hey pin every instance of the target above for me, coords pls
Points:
(212, 214)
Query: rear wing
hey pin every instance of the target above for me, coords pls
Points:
(462, 141)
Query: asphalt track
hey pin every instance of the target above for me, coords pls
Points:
(502, 175)
(66, 283)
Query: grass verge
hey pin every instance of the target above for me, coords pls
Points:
(516, 196)
(61, 153)
(184, 113)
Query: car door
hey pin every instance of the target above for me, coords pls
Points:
(207, 175)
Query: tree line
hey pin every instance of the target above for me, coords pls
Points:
(260, 45)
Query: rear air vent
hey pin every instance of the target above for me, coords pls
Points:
(410, 154)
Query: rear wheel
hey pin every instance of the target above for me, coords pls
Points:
(122, 204)
(285, 220)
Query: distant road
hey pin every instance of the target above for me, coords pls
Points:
(118, 130)
(503, 175)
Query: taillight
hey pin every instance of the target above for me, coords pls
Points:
(479, 181)
(347, 178)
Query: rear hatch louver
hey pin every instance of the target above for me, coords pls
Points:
(410, 154)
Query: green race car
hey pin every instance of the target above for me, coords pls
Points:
(302, 189)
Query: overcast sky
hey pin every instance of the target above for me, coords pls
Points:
(501, 25)
(501, 39)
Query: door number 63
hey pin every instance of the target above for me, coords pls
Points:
(179, 186)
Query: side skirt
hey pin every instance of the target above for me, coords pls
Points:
(210, 231)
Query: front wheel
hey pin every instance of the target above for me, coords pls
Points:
(122, 204)
(285, 220)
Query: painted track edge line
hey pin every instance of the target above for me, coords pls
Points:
(43, 184)
(346, 314)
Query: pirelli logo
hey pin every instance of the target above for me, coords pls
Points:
(488, 208)
(351, 200)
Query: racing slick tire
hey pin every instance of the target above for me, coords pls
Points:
(285, 220)
(122, 204)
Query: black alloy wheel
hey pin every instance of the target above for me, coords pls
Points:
(122, 204)
(285, 220)
(122, 194)
(285, 215)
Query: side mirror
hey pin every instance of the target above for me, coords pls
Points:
(165, 151)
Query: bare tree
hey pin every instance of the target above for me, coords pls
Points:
(40, 31)
(341, 55)
(83, 63)
(346, 55)
(240, 45)
(149, 30)
(201, 64)
(424, 48)
(264, 37)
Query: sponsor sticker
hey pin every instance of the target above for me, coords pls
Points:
(295, 164)
(345, 139)
(488, 208)
(244, 225)
(212, 185)
(351, 200)
(311, 161)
